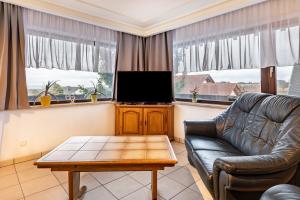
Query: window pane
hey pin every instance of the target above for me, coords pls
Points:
(288, 82)
(69, 83)
(223, 85)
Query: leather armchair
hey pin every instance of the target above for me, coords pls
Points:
(252, 146)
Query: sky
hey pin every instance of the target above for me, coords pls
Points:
(37, 78)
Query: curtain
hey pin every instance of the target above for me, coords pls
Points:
(130, 55)
(57, 42)
(159, 52)
(13, 91)
(136, 53)
(261, 35)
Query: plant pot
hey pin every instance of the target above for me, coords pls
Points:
(45, 100)
(94, 98)
(194, 98)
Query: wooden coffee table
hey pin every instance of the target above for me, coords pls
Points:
(109, 153)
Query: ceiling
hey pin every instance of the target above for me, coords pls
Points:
(140, 17)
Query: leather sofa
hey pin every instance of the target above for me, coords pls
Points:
(282, 192)
(252, 146)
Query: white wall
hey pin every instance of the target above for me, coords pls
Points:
(188, 111)
(25, 132)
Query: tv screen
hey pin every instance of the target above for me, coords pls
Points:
(144, 87)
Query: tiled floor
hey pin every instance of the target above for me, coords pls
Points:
(182, 182)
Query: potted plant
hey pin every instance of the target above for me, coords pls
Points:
(45, 95)
(194, 93)
(93, 93)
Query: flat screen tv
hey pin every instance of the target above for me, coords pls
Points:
(144, 87)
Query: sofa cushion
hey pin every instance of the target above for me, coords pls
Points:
(204, 160)
(208, 143)
(208, 157)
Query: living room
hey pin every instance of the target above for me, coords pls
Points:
(148, 99)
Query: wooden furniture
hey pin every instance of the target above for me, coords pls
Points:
(109, 153)
(145, 120)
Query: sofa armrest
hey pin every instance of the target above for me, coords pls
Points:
(252, 165)
(200, 128)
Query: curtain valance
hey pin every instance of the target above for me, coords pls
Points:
(57, 42)
(261, 35)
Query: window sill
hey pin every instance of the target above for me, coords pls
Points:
(71, 104)
(201, 104)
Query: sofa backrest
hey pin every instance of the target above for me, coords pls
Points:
(237, 117)
(259, 124)
(281, 118)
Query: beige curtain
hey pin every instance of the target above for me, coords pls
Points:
(13, 90)
(153, 53)
(159, 52)
(130, 54)
(135, 53)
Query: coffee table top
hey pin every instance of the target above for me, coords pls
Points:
(104, 150)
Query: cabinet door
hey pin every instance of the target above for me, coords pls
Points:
(155, 121)
(131, 121)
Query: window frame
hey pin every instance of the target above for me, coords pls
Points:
(268, 85)
(54, 102)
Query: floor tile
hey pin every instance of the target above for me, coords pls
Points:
(182, 176)
(61, 176)
(203, 190)
(25, 165)
(188, 194)
(184, 153)
(178, 147)
(89, 181)
(7, 170)
(182, 160)
(8, 180)
(123, 186)
(99, 193)
(106, 177)
(168, 188)
(31, 174)
(39, 184)
(56, 193)
(11, 193)
(144, 177)
(169, 170)
(194, 172)
(142, 194)
(195, 188)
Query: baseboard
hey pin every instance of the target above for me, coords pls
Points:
(4, 163)
(180, 140)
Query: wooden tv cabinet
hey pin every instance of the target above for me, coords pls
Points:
(145, 119)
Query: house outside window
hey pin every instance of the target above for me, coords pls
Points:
(212, 85)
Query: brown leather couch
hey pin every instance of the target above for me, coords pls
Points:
(252, 146)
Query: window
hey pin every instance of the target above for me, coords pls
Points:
(288, 82)
(69, 83)
(225, 85)
(77, 55)
(74, 65)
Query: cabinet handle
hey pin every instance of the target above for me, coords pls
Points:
(145, 123)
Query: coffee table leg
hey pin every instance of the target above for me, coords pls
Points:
(154, 184)
(74, 186)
